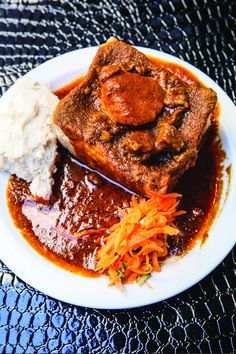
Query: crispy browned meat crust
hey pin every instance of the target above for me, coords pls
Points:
(170, 143)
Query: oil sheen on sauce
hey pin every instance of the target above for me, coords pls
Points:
(84, 201)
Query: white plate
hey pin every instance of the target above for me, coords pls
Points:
(176, 276)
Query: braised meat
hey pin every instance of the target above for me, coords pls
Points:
(134, 121)
(131, 104)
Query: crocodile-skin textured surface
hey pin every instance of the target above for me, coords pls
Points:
(202, 318)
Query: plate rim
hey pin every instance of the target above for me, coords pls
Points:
(101, 305)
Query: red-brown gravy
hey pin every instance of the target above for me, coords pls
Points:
(83, 200)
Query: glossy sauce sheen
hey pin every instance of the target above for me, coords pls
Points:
(83, 200)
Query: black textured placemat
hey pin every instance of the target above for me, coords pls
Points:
(201, 319)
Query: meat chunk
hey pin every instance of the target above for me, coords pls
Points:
(168, 138)
(139, 143)
(134, 121)
(131, 99)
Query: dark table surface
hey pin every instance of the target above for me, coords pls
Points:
(201, 319)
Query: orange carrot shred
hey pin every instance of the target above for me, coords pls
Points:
(135, 245)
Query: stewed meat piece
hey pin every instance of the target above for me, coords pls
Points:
(168, 138)
(131, 99)
(140, 143)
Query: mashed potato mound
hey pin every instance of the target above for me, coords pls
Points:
(28, 142)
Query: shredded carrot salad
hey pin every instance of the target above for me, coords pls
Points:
(134, 246)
